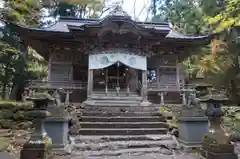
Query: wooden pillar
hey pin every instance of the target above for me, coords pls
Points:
(144, 85)
(49, 67)
(162, 98)
(67, 98)
(90, 84)
(106, 81)
(177, 74)
(158, 77)
(70, 75)
(184, 101)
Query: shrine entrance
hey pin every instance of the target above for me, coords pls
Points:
(117, 74)
(116, 77)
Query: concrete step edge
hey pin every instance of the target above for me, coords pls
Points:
(118, 152)
(124, 117)
(133, 123)
(120, 137)
(120, 129)
(129, 143)
(120, 106)
(130, 112)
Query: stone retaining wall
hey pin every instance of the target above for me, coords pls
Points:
(13, 115)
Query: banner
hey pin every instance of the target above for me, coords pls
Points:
(99, 61)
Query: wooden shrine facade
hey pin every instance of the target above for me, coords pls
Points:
(113, 55)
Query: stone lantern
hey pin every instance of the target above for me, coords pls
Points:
(216, 144)
(39, 144)
(57, 122)
(193, 124)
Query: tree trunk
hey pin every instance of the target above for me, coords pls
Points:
(13, 92)
(6, 81)
(18, 86)
(4, 90)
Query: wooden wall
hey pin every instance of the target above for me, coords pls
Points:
(59, 69)
(167, 68)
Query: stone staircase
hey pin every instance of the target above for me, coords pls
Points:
(117, 130)
(100, 98)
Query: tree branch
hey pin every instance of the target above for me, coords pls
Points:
(134, 9)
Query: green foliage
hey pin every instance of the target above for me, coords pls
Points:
(37, 65)
(227, 18)
(78, 8)
(185, 15)
(25, 12)
(217, 63)
(4, 143)
(9, 59)
(164, 109)
(13, 64)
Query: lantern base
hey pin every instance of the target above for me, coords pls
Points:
(36, 150)
(217, 146)
(210, 155)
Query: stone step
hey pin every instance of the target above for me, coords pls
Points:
(121, 108)
(123, 125)
(115, 95)
(116, 104)
(111, 114)
(5, 133)
(122, 119)
(127, 152)
(126, 131)
(106, 138)
(119, 145)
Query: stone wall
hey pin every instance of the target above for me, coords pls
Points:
(13, 115)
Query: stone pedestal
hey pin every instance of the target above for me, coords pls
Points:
(57, 126)
(57, 129)
(193, 124)
(191, 131)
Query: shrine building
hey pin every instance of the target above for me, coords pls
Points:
(114, 58)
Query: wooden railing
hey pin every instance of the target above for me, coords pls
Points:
(170, 87)
(57, 84)
(83, 85)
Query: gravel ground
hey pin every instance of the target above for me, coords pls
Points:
(132, 156)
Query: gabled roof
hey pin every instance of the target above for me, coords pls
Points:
(69, 24)
(117, 25)
(117, 19)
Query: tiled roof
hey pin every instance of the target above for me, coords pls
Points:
(64, 22)
(176, 35)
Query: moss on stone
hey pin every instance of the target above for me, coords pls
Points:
(14, 113)
(4, 142)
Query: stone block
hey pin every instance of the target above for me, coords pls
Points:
(5, 155)
(211, 155)
(191, 131)
(57, 129)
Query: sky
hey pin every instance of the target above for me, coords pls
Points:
(128, 6)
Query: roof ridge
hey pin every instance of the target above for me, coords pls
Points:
(100, 19)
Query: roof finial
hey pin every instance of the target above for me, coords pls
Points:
(117, 9)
